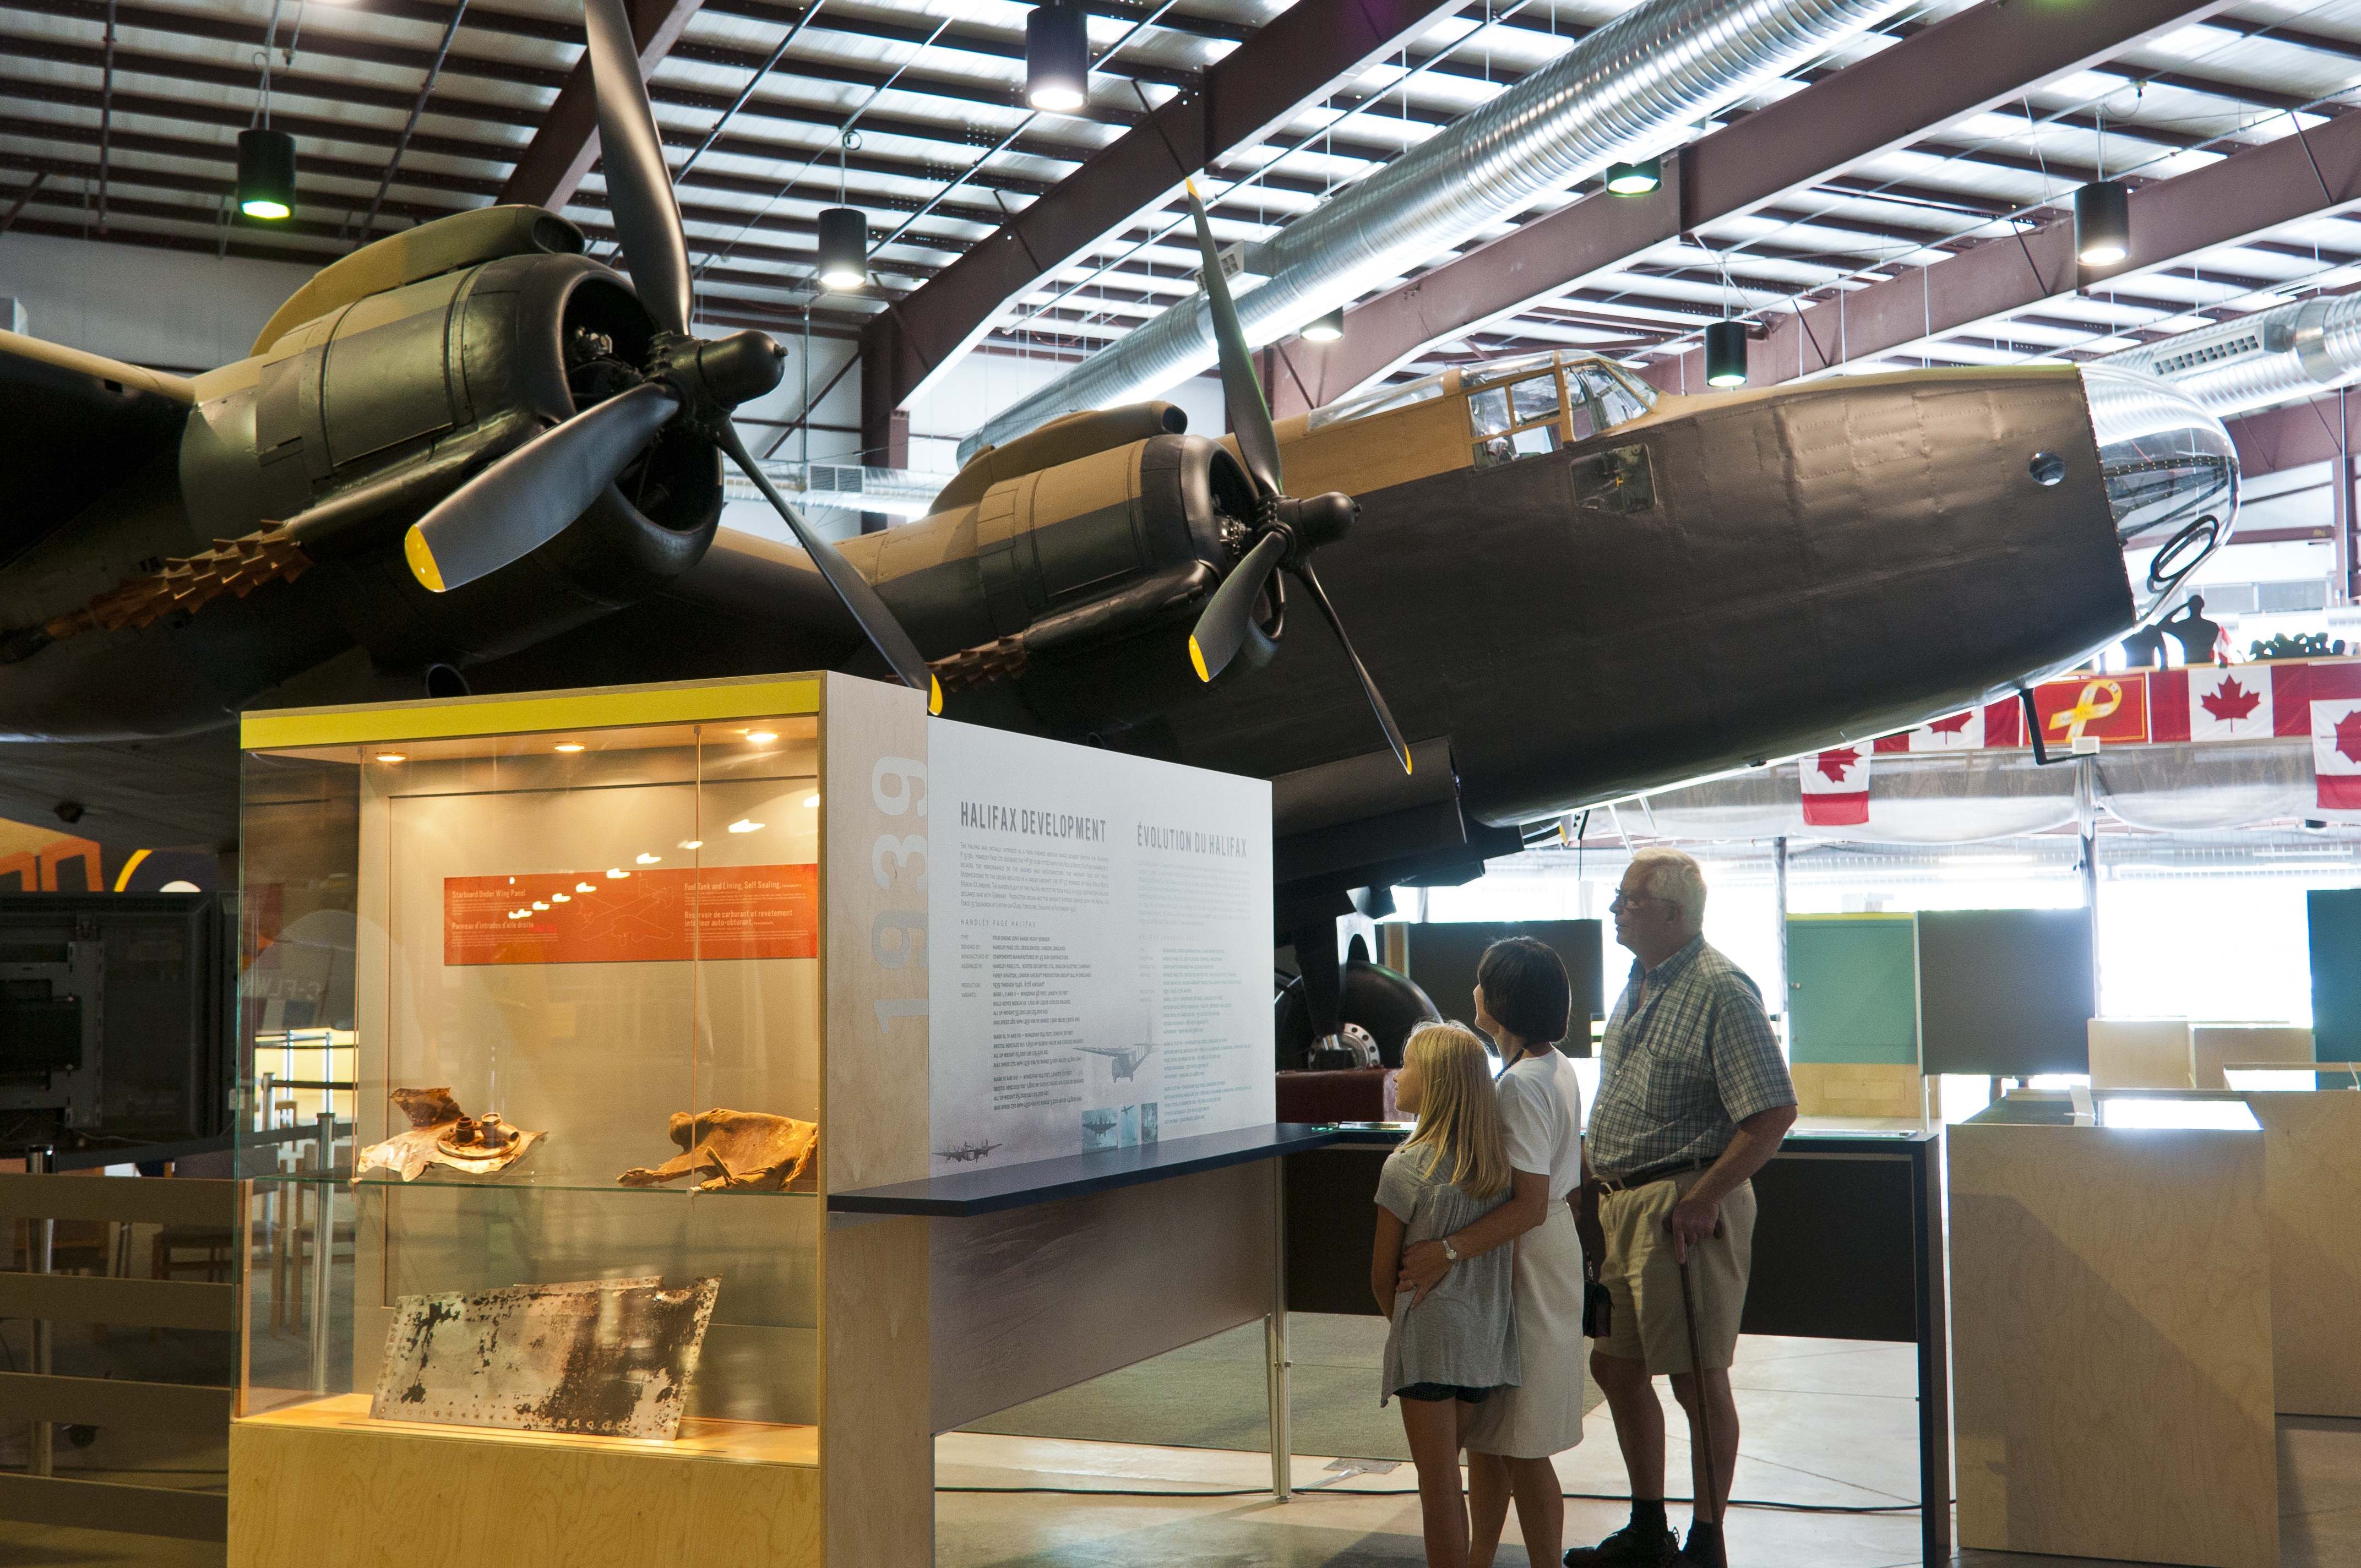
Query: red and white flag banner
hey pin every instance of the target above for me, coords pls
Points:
(2335, 693)
(1836, 788)
(2210, 703)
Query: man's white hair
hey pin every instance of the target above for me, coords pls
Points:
(1670, 876)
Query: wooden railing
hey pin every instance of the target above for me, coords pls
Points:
(43, 1400)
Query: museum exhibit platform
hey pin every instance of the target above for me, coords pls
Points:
(2141, 1281)
(589, 930)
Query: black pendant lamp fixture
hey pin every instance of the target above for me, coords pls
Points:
(1641, 178)
(2103, 223)
(265, 159)
(1057, 58)
(843, 233)
(1327, 328)
(1725, 354)
(2102, 215)
(265, 173)
(843, 248)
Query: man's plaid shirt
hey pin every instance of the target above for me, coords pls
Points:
(1698, 1058)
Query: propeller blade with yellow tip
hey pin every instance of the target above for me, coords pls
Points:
(1241, 393)
(1302, 572)
(1221, 627)
(526, 499)
(876, 622)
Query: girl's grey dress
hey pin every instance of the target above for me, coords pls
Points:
(1465, 1332)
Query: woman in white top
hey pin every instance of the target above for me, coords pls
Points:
(1523, 1001)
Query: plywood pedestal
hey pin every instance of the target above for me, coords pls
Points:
(324, 1484)
(2111, 1343)
(2312, 1152)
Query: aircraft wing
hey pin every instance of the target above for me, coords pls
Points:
(751, 604)
(181, 792)
(93, 420)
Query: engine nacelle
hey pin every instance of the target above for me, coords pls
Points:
(376, 410)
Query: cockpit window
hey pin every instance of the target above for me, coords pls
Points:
(1378, 400)
(1573, 399)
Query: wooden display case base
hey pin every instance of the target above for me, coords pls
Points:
(324, 1483)
(1882, 1089)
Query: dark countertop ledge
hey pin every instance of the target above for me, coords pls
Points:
(964, 1193)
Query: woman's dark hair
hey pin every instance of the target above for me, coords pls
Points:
(1525, 988)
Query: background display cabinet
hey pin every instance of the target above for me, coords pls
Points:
(613, 1019)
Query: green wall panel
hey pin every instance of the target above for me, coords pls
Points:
(1853, 988)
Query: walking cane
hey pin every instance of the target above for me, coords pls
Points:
(1719, 1557)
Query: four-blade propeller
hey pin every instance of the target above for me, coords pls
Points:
(687, 388)
(1286, 531)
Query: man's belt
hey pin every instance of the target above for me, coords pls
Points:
(1650, 1174)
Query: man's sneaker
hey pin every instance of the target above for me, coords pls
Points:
(1626, 1547)
(1705, 1548)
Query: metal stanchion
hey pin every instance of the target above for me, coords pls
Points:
(1282, 1439)
(41, 1240)
(324, 1241)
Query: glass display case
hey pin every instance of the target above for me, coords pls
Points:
(557, 982)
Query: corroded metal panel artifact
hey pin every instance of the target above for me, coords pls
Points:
(601, 1357)
(745, 1151)
(442, 1134)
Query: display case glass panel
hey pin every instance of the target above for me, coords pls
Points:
(606, 937)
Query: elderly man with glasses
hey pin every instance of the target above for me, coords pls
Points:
(1692, 1098)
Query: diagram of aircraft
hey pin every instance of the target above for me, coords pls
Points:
(1124, 1060)
(1100, 1122)
(964, 1152)
(467, 457)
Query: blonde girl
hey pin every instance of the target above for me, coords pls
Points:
(1451, 1345)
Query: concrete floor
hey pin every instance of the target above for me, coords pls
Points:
(1825, 1422)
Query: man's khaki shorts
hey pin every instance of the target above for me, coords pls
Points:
(1645, 1279)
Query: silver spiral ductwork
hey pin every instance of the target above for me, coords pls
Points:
(1626, 91)
(2277, 356)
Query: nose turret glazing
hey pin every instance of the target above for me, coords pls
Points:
(2172, 479)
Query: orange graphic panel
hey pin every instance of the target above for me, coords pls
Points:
(645, 917)
(2113, 707)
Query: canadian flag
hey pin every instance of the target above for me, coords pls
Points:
(2335, 692)
(1836, 788)
(2207, 702)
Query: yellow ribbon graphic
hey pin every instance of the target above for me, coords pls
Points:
(2109, 695)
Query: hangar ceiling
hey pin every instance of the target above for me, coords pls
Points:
(121, 117)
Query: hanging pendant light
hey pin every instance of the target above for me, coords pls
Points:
(1057, 58)
(843, 248)
(265, 173)
(1327, 328)
(1640, 178)
(1725, 354)
(2103, 223)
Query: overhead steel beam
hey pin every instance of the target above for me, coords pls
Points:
(2243, 197)
(1967, 64)
(2290, 436)
(567, 143)
(1288, 63)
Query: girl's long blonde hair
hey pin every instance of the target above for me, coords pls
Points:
(1459, 1119)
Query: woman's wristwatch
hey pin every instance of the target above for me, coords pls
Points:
(1449, 1251)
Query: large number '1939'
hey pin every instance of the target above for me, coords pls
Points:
(898, 937)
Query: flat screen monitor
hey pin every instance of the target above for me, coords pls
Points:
(1443, 955)
(114, 1018)
(2334, 914)
(2005, 992)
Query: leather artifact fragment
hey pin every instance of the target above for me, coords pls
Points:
(745, 1151)
(442, 1134)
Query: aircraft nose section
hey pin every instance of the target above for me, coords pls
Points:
(2172, 479)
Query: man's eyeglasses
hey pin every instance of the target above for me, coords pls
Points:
(1623, 900)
